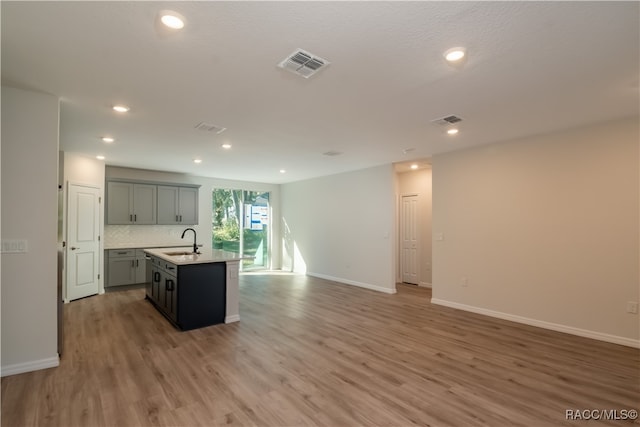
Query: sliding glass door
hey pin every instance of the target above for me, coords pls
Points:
(241, 222)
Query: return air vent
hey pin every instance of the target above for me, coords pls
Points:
(332, 153)
(210, 127)
(449, 120)
(303, 63)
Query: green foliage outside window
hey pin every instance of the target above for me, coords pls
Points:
(227, 208)
(227, 230)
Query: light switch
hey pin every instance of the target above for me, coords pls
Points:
(14, 246)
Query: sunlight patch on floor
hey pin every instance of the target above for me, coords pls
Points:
(269, 273)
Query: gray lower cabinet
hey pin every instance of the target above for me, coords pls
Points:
(125, 267)
(141, 266)
(190, 296)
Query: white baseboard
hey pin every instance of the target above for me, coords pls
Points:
(232, 318)
(541, 323)
(353, 283)
(425, 284)
(34, 365)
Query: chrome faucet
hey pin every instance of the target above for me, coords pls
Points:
(195, 245)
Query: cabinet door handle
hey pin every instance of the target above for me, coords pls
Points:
(137, 263)
(130, 218)
(177, 218)
(156, 276)
(180, 218)
(73, 248)
(133, 263)
(170, 285)
(135, 218)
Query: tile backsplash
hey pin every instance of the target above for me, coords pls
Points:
(144, 235)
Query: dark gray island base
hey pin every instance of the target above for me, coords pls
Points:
(194, 290)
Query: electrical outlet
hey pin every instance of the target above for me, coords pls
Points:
(632, 307)
(464, 282)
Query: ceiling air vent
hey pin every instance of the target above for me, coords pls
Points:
(303, 63)
(210, 127)
(332, 153)
(449, 120)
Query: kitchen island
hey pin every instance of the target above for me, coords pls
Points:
(194, 290)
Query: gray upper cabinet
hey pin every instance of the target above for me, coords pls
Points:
(168, 205)
(144, 204)
(177, 205)
(129, 203)
(188, 205)
(119, 203)
(149, 203)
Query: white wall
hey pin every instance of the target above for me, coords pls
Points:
(342, 227)
(30, 212)
(84, 170)
(81, 169)
(545, 229)
(164, 234)
(418, 182)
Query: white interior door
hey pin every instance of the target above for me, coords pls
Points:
(409, 235)
(83, 245)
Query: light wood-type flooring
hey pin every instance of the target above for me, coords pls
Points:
(312, 352)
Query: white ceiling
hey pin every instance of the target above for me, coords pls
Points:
(532, 67)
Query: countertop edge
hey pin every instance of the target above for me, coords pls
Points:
(208, 256)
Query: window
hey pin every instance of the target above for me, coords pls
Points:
(241, 222)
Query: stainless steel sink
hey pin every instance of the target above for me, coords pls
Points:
(186, 257)
(180, 253)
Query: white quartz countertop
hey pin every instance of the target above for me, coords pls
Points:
(184, 256)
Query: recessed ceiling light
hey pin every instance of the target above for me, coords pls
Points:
(452, 131)
(100, 157)
(107, 139)
(414, 166)
(172, 19)
(226, 146)
(121, 108)
(455, 54)
(198, 161)
(283, 171)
